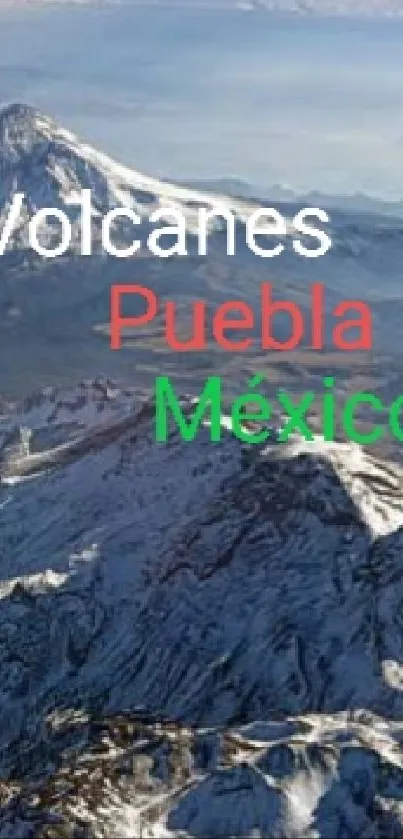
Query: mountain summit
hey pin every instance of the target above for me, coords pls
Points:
(51, 166)
(23, 131)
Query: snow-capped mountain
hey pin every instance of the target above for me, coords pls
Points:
(197, 639)
(64, 303)
(51, 167)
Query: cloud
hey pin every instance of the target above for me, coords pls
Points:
(344, 8)
(317, 8)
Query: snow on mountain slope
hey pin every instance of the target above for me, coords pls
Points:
(213, 585)
(51, 167)
(132, 775)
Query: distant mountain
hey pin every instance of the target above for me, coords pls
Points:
(357, 202)
(230, 186)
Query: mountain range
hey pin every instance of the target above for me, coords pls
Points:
(64, 303)
(357, 202)
(195, 639)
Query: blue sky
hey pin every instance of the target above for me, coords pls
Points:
(301, 101)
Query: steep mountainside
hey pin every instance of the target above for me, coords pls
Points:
(252, 596)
